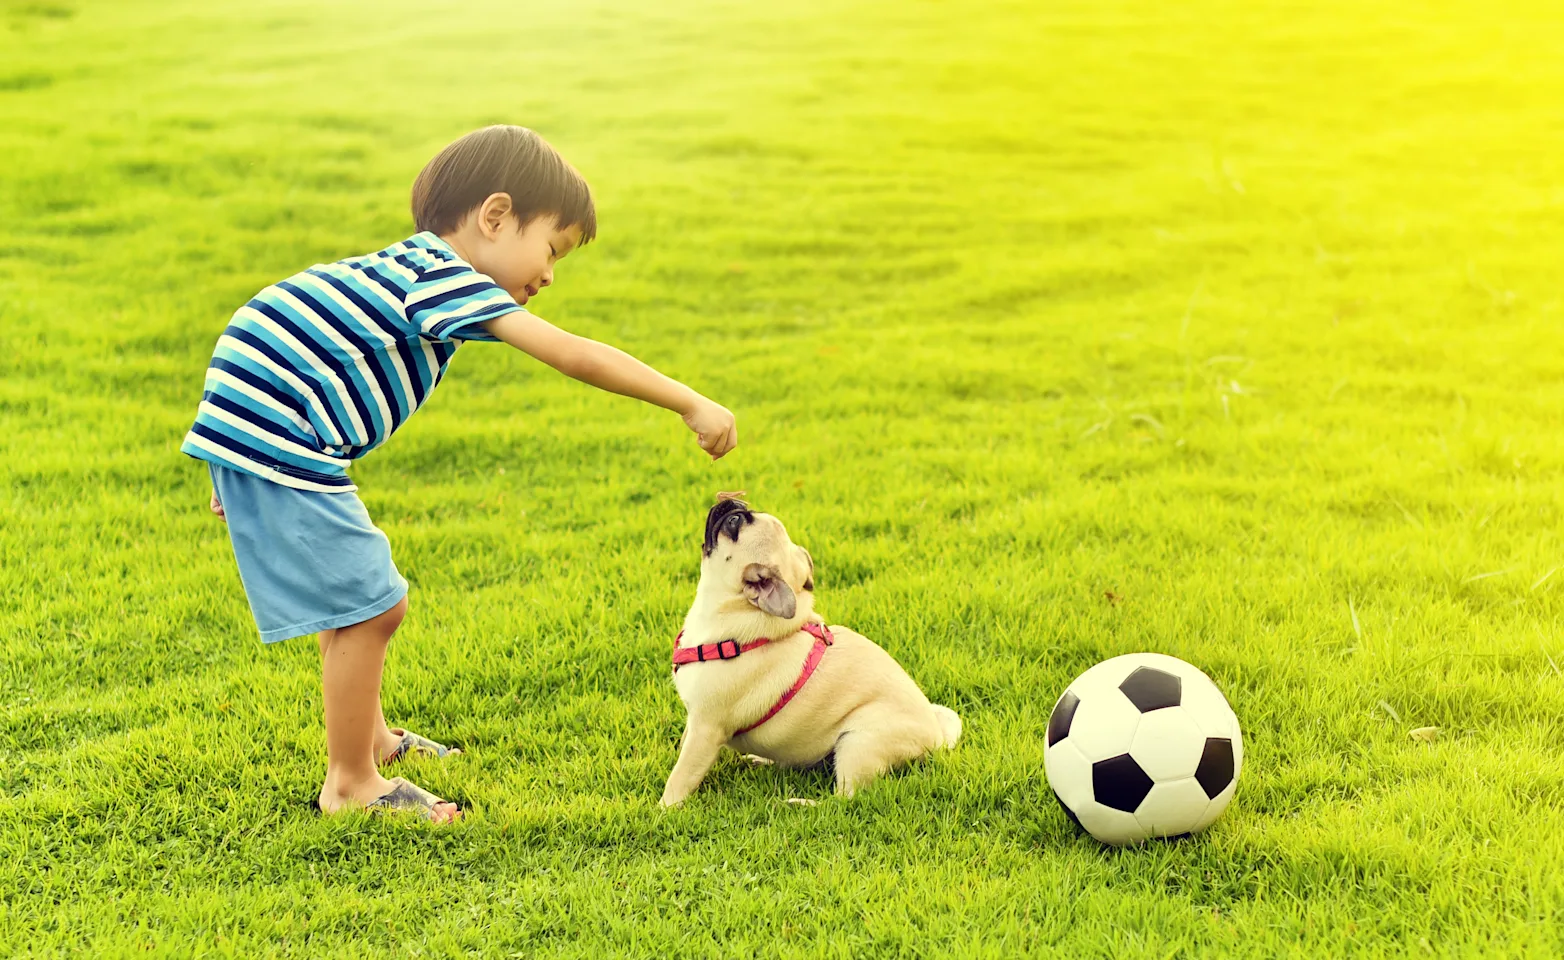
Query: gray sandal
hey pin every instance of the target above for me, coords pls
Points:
(414, 745)
(404, 796)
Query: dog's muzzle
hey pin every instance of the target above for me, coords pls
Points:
(718, 515)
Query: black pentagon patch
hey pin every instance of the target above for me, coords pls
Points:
(1151, 689)
(1067, 811)
(1120, 783)
(1216, 766)
(1059, 720)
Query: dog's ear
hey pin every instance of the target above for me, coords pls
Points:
(809, 581)
(765, 588)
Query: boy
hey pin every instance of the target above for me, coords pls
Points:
(319, 369)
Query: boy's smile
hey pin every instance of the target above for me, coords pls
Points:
(520, 261)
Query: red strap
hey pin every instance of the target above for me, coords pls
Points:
(823, 639)
(721, 650)
(729, 649)
(820, 632)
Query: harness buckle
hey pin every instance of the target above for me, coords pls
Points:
(722, 649)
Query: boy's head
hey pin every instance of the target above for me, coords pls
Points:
(508, 203)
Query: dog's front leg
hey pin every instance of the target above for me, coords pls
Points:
(702, 743)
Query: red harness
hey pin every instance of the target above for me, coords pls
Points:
(730, 649)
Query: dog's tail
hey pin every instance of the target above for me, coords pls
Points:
(949, 725)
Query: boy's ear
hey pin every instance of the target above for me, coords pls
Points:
(492, 213)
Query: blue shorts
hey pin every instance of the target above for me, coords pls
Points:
(309, 561)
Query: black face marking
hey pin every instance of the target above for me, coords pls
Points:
(728, 516)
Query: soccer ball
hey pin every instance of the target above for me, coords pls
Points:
(1141, 746)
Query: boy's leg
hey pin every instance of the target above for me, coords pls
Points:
(351, 667)
(385, 740)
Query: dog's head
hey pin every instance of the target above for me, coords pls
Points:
(749, 555)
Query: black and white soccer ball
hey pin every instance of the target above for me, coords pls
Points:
(1142, 746)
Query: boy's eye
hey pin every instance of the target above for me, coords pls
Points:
(552, 252)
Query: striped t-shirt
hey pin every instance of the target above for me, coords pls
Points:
(319, 369)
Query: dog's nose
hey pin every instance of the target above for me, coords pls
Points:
(718, 515)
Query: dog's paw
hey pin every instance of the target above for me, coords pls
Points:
(755, 761)
(801, 802)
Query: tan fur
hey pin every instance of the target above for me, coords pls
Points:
(859, 704)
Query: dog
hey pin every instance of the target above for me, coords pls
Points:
(760, 672)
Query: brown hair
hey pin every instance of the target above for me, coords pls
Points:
(502, 159)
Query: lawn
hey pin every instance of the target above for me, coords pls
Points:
(1055, 330)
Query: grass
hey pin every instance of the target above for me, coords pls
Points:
(1248, 314)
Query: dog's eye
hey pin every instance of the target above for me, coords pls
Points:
(809, 584)
(733, 525)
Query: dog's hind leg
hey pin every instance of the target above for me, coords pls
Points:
(876, 743)
(949, 724)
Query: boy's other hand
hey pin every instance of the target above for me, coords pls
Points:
(714, 427)
(217, 508)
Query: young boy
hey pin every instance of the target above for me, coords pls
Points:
(319, 369)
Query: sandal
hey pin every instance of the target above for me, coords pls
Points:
(404, 796)
(413, 744)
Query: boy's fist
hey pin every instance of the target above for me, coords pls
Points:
(217, 508)
(714, 427)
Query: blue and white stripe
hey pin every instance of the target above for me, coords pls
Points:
(321, 368)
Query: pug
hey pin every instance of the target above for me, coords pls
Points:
(760, 672)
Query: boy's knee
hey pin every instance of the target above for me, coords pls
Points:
(377, 629)
(392, 618)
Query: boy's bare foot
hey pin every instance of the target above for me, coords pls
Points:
(339, 796)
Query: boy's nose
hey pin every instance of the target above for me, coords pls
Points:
(548, 278)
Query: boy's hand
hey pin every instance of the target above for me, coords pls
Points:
(714, 427)
(217, 508)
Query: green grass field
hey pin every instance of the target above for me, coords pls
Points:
(1238, 312)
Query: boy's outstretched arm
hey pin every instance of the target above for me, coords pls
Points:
(611, 369)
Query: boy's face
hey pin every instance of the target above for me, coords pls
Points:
(519, 258)
(522, 261)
